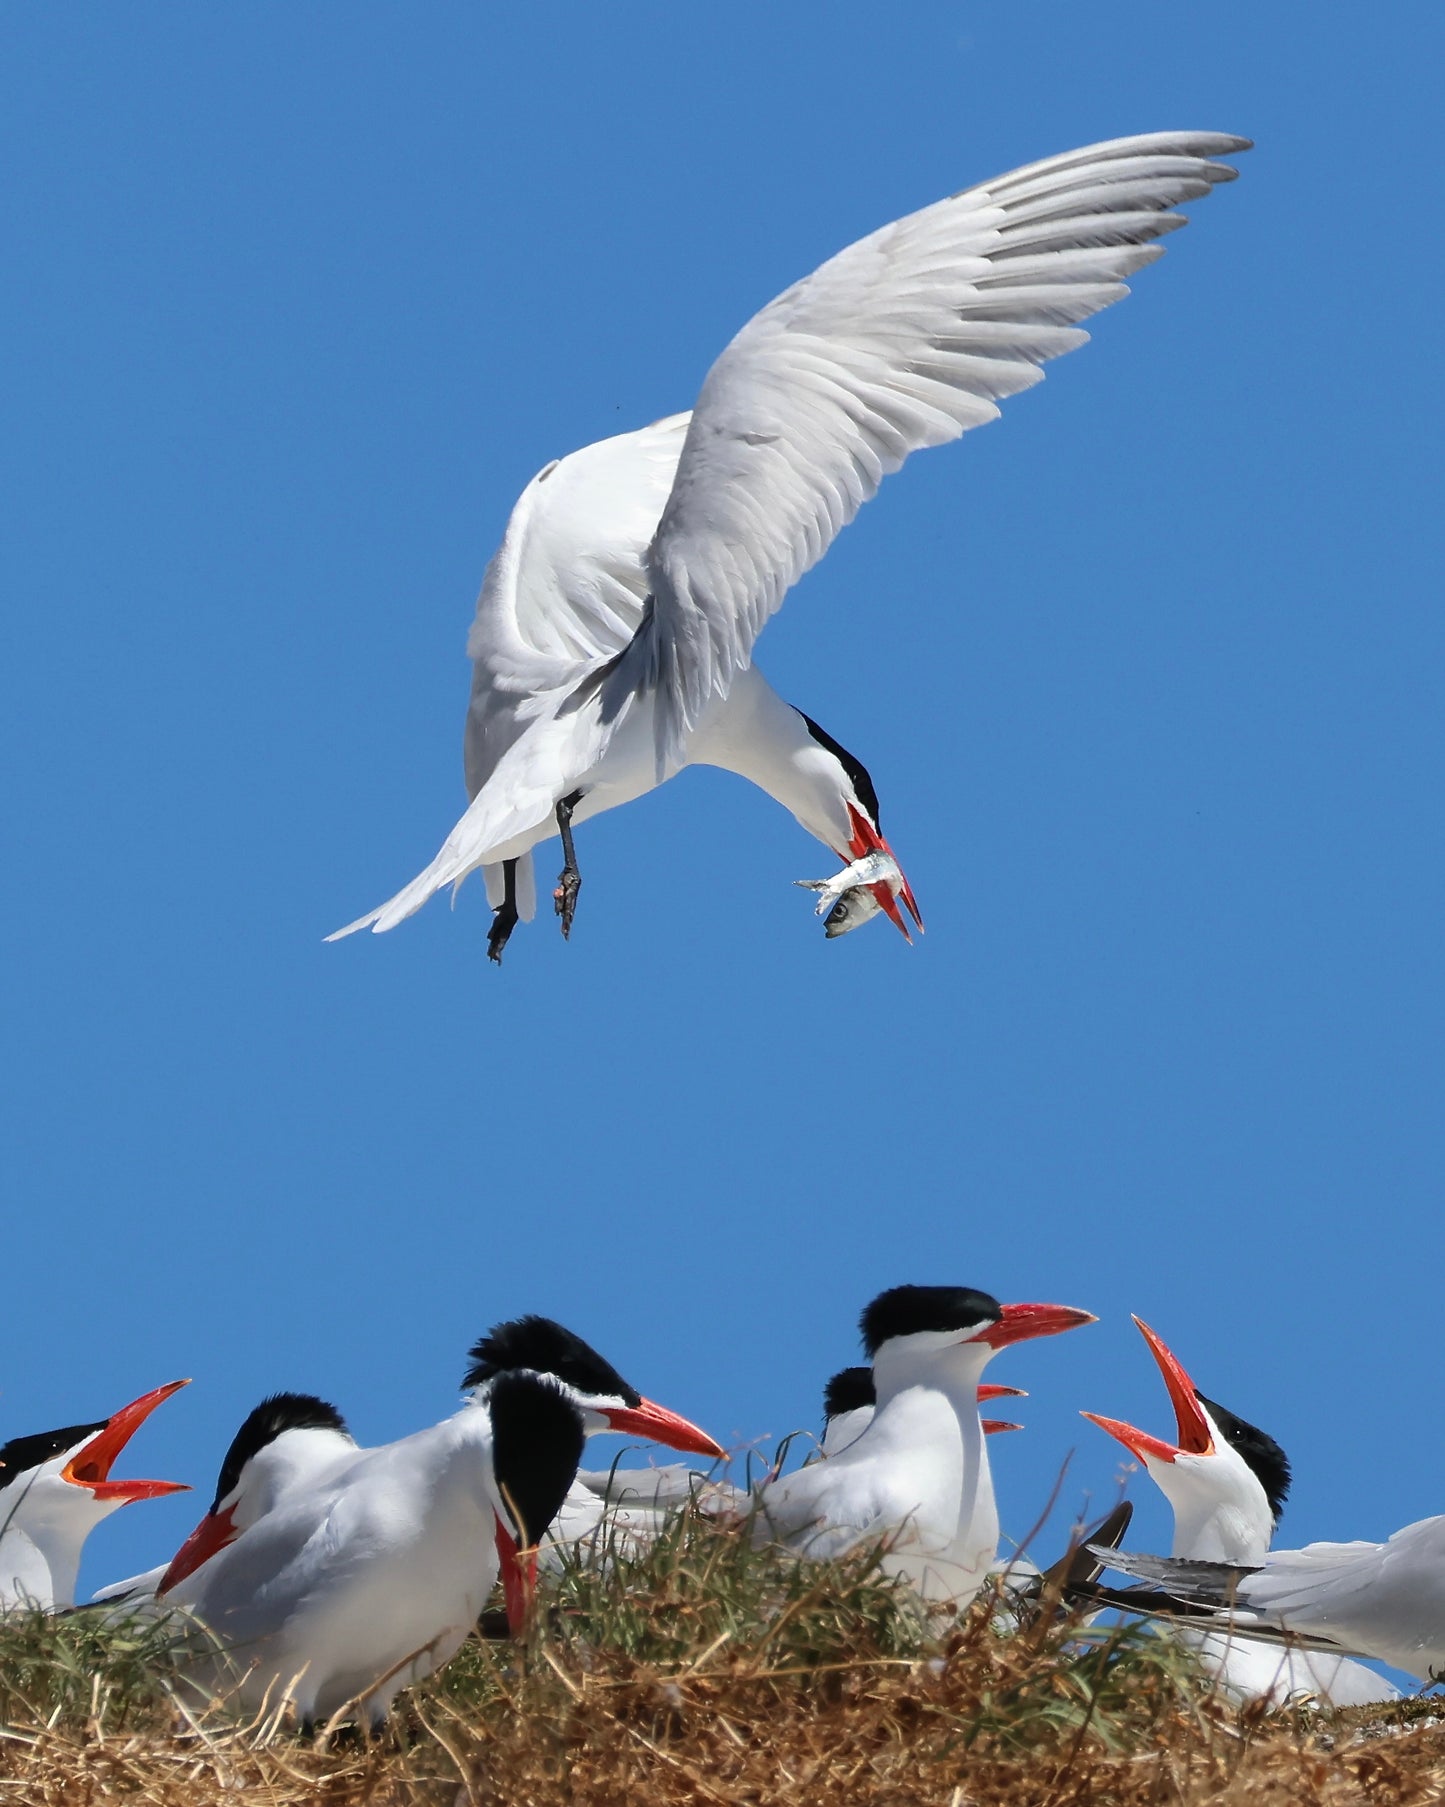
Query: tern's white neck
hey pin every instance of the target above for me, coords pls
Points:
(1221, 1513)
(929, 1362)
(754, 733)
(46, 1521)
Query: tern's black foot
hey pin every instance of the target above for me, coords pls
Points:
(504, 917)
(504, 920)
(569, 880)
(500, 933)
(564, 898)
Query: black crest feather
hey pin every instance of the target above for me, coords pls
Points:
(280, 1412)
(546, 1347)
(904, 1310)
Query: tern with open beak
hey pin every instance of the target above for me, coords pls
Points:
(55, 1488)
(1226, 1482)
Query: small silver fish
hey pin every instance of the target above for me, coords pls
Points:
(851, 911)
(845, 899)
(874, 868)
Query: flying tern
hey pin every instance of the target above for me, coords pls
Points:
(55, 1488)
(917, 1480)
(1227, 1481)
(614, 635)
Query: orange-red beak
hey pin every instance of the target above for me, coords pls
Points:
(1195, 1436)
(987, 1390)
(214, 1532)
(658, 1425)
(992, 1426)
(866, 839)
(91, 1464)
(519, 1578)
(1021, 1322)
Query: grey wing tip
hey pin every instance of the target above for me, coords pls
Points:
(1217, 144)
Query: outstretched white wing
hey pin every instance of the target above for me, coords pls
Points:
(906, 339)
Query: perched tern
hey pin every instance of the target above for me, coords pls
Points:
(614, 635)
(624, 1502)
(917, 1480)
(289, 1440)
(1385, 1600)
(1227, 1482)
(368, 1576)
(55, 1488)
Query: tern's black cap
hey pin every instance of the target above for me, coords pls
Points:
(849, 1390)
(280, 1412)
(22, 1454)
(546, 1347)
(905, 1310)
(1268, 1461)
(858, 774)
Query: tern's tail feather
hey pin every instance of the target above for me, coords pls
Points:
(1186, 1578)
(542, 765)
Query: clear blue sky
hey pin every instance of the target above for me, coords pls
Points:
(1148, 675)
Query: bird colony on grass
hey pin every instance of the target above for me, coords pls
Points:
(613, 646)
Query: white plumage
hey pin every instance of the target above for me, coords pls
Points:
(1222, 1513)
(617, 621)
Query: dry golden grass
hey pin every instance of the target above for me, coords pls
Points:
(707, 1673)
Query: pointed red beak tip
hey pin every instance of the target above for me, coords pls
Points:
(1019, 1323)
(519, 1578)
(659, 1425)
(1195, 1437)
(1138, 1443)
(866, 839)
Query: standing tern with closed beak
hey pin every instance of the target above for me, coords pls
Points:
(613, 641)
(630, 1504)
(370, 1572)
(917, 1481)
(288, 1441)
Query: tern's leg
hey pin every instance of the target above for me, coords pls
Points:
(569, 879)
(504, 917)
